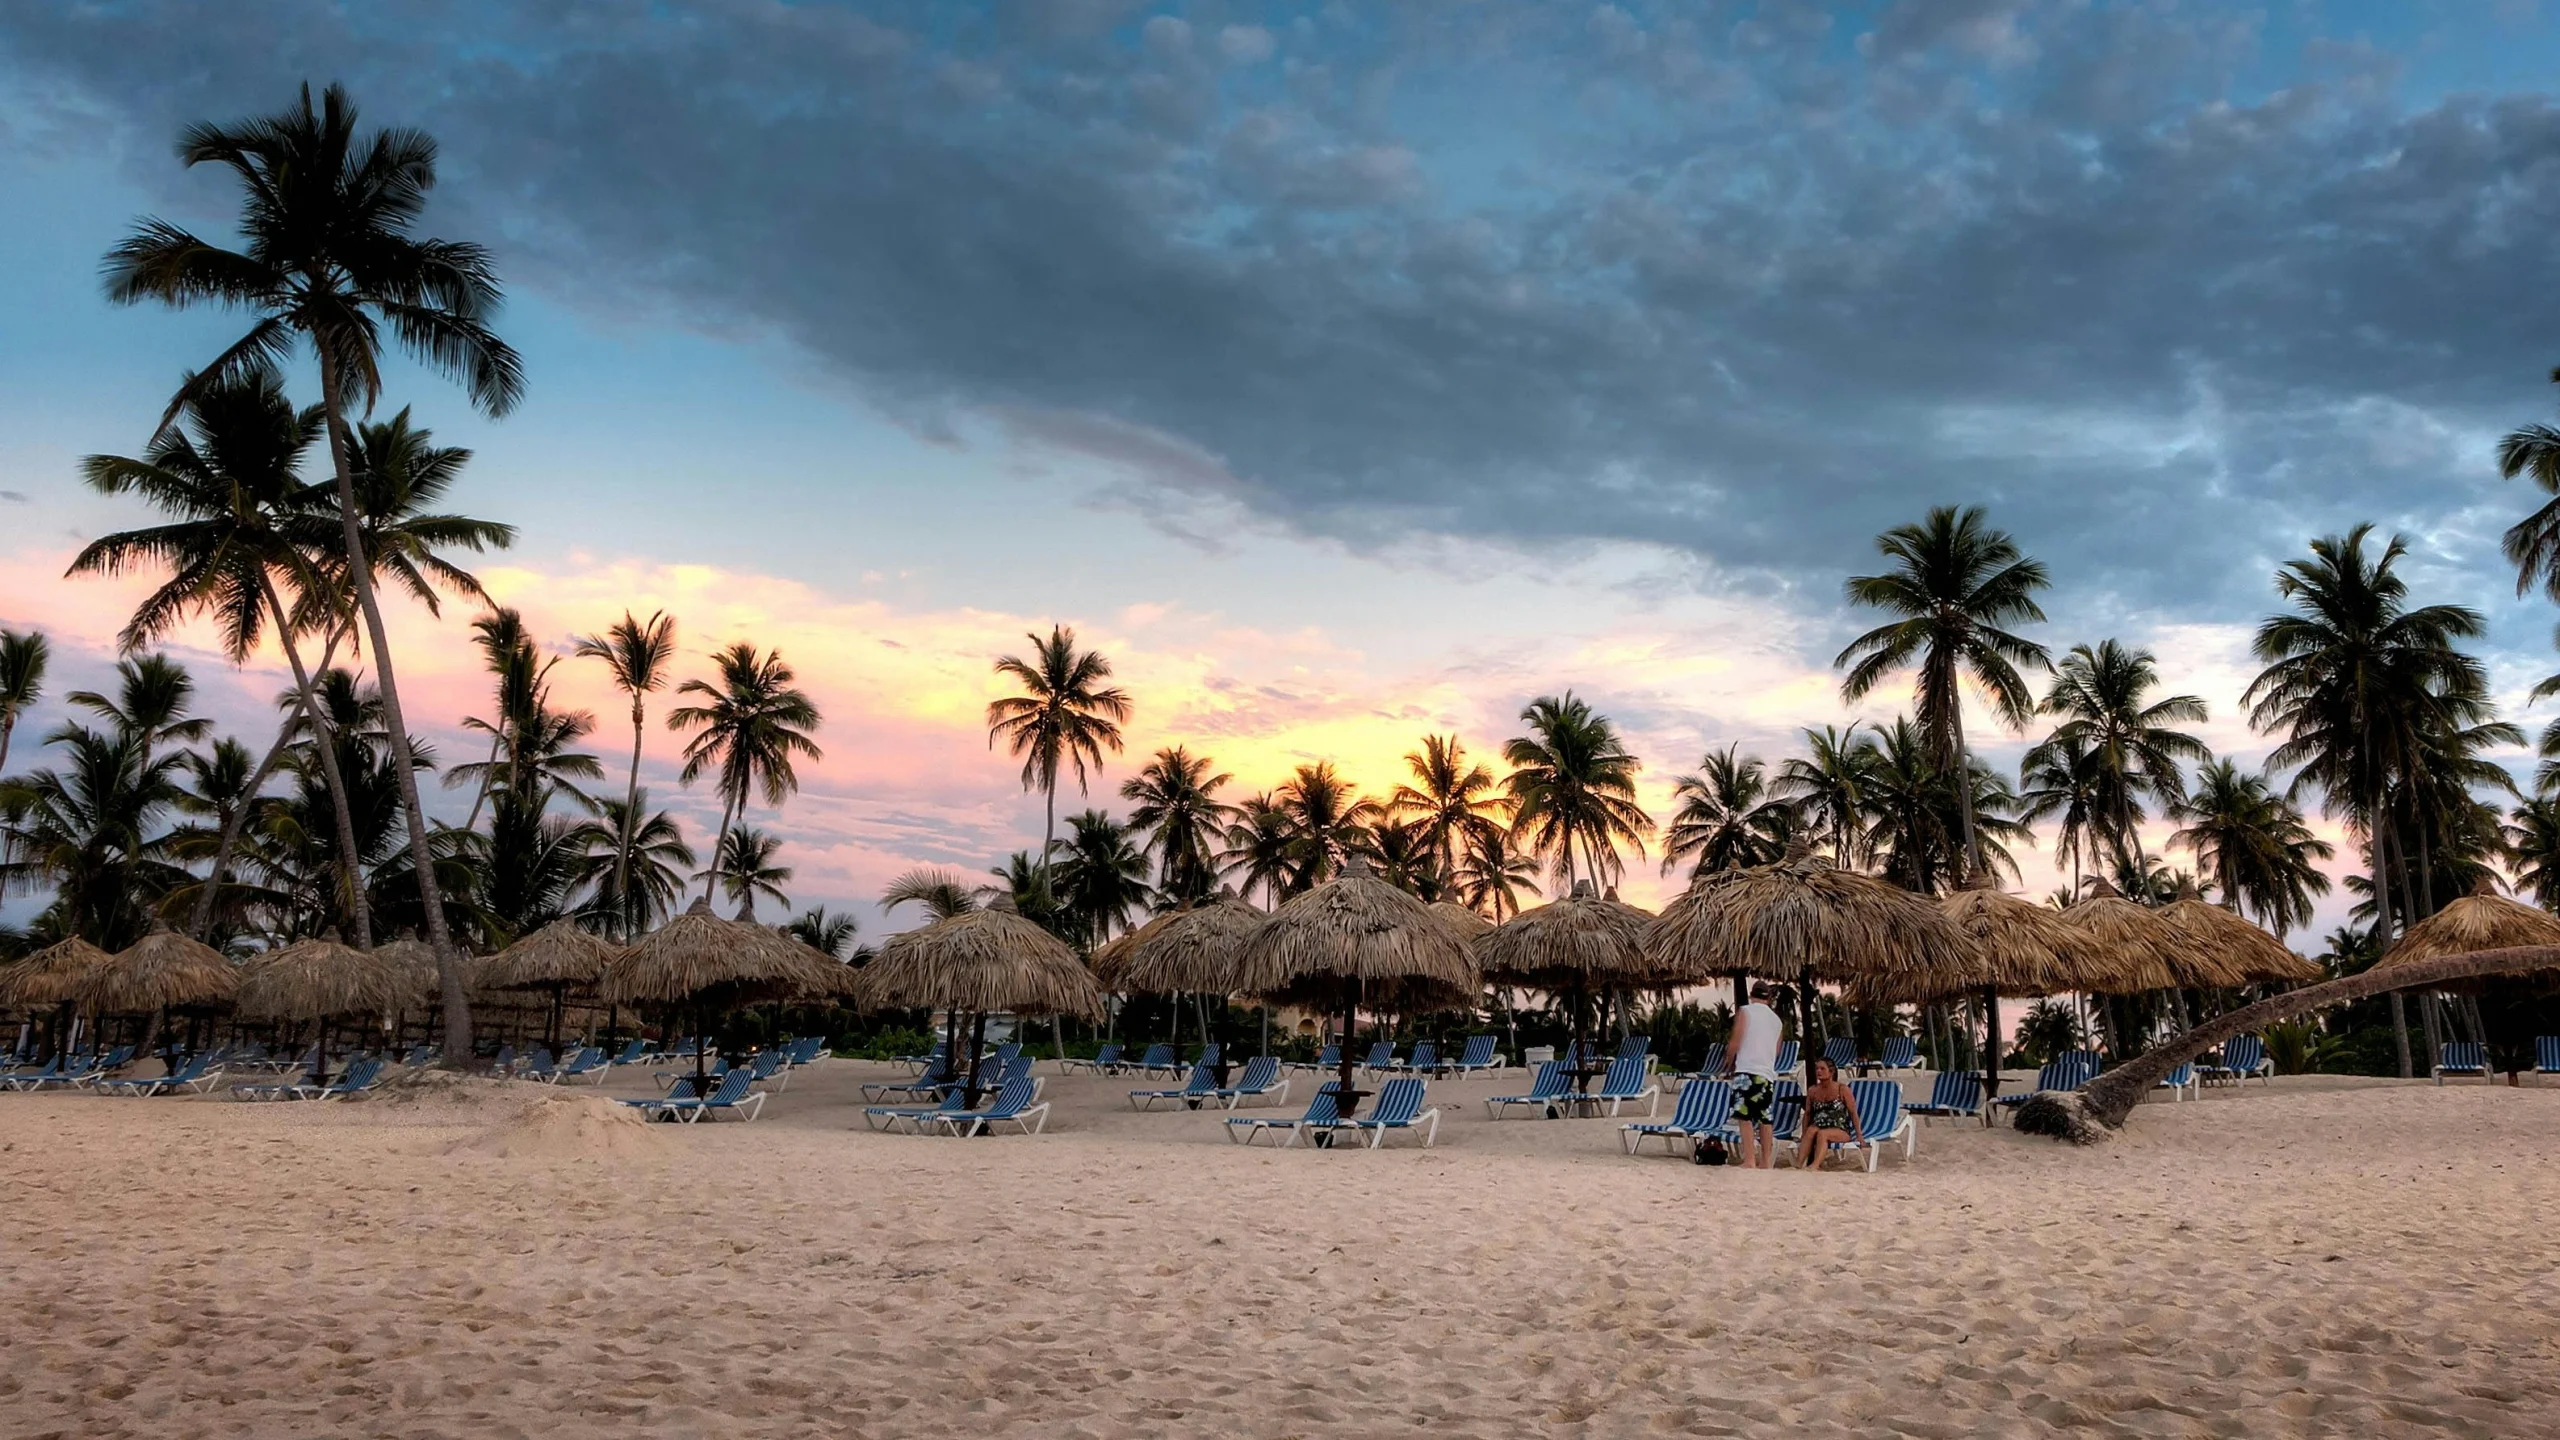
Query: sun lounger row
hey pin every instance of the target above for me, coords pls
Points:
(1705, 1111)
(359, 1076)
(1400, 1107)
(1261, 1080)
(1016, 1104)
(1551, 1091)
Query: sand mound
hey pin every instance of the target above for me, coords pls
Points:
(554, 1126)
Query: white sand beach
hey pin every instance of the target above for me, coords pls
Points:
(2319, 1257)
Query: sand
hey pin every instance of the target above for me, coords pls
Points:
(488, 1261)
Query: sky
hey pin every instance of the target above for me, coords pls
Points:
(1350, 372)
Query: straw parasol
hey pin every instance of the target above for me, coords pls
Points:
(1111, 958)
(316, 980)
(1569, 948)
(2238, 949)
(711, 964)
(52, 976)
(1469, 924)
(1351, 941)
(2136, 950)
(2014, 947)
(1193, 951)
(987, 960)
(554, 959)
(161, 970)
(2481, 920)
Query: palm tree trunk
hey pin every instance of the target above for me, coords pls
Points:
(323, 741)
(202, 919)
(1964, 788)
(457, 1004)
(8, 727)
(480, 797)
(711, 879)
(2382, 931)
(630, 828)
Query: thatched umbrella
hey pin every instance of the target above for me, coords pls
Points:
(1570, 948)
(2238, 950)
(553, 959)
(53, 976)
(162, 970)
(1351, 941)
(318, 980)
(1193, 951)
(711, 965)
(1469, 924)
(2137, 950)
(2015, 948)
(1805, 917)
(973, 964)
(2482, 920)
(1111, 958)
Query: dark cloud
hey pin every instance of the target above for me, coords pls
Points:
(1703, 275)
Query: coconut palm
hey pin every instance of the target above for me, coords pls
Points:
(1492, 876)
(330, 263)
(2355, 677)
(2123, 738)
(941, 893)
(535, 863)
(1573, 784)
(750, 731)
(2533, 543)
(1327, 824)
(638, 654)
(1099, 878)
(2533, 846)
(745, 869)
(829, 934)
(1176, 807)
(651, 859)
(1915, 813)
(1725, 816)
(1064, 718)
(1826, 787)
(1454, 798)
(1958, 588)
(2257, 847)
(1260, 848)
(23, 654)
(2059, 781)
(507, 653)
(94, 830)
(1402, 855)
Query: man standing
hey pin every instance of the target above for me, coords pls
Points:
(1752, 1063)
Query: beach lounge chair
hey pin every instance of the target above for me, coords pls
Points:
(682, 1049)
(1017, 1104)
(1101, 1063)
(634, 1052)
(1549, 1087)
(198, 1074)
(1480, 1055)
(2462, 1057)
(1212, 1054)
(912, 1117)
(718, 1067)
(2179, 1082)
(1323, 1113)
(770, 1069)
(2089, 1060)
(807, 1050)
(928, 1085)
(79, 1071)
(1399, 1107)
(667, 1106)
(2060, 1076)
(2546, 1055)
(1789, 1053)
(1158, 1060)
(1636, 1047)
(1624, 1082)
(1261, 1078)
(1201, 1088)
(1382, 1058)
(1328, 1057)
(736, 1095)
(1710, 1066)
(1952, 1093)
(1842, 1052)
(358, 1077)
(542, 1068)
(2242, 1056)
(1880, 1121)
(33, 1079)
(1901, 1052)
(1425, 1060)
(1705, 1108)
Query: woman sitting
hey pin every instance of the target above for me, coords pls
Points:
(1830, 1116)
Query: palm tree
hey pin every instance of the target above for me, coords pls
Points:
(330, 263)
(1404, 857)
(638, 654)
(23, 654)
(2355, 676)
(1454, 799)
(2533, 543)
(1915, 811)
(2533, 846)
(1327, 824)
(651, 861)
(1958, 587)
(1826, 787)
(753, 727)
(1573, 781)
(2121, 736)
(1260, 847)
(1065, 717)
(91, 829)
(941, 893)
(829, 934)
(1491, 875)
(1101, 877)
(745, 869)
(507, 652)
(1726, 816)
(1177, 809)
(2261, 854)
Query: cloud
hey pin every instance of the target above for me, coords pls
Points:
(14, 497)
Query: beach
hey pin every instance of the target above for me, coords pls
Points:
(2316, 1257)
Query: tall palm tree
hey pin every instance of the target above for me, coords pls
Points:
(1573, 782)
(1915, 809)
(941, 893)
(2533, 543)
(241, 521)
(2059, 781)
(1327, 823)
(1064, 718)
(507, 653)
(638, 654)
(1491, 875)
(1101, 877)
(1404, 857)
(2261, 854)
(744, 867)
(94, 831)
(330, 263)
(23, 654)
(1826, 787)
(751, 728)
(2103, 695)
(1454, 798)
(1176, 807)
(1958, 588)
(1261, 848)
(2533, 846)
(2355, 676)
(651, 860)
(1725, 815)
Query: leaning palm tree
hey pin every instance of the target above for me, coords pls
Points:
(1175, 805)
(330, 263)
(1725, 817)
(1574, 784)
(2261, 854)
(638, 654)
(2355, 679)
(1455, 799)
(1064, 718)
(1957, 587)
(749, 732)
(2102, 694)
(23, 654)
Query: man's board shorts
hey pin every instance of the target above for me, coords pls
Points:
(1755, 1099)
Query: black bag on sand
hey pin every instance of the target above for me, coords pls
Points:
(1709, 1151)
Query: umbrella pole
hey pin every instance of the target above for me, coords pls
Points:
(1990, 1051)
(1345, 1105)
(320, 1054)
(701, 1043)
(977, 1054)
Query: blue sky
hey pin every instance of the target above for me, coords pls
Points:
(1390, 365)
